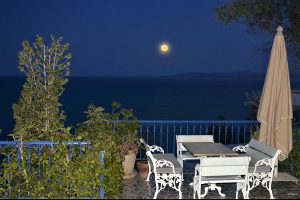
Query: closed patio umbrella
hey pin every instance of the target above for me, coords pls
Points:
(275, 109)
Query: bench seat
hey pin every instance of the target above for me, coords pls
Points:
(213, 170)
(259, 169)
(167, 170)
(222, 179)
(263, 164)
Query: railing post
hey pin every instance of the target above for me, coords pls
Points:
(141, 135)
(238, 134)
(39, 156)
(70, 154)
(9, 190)
(219, 125)
(167, 137)
(29, 159)
(174, 136)
(19, 168)
(226, 127)
(232, 133)
(147, 129)
(154, 135)
(237, 130)
(102, 191)
(245, 129)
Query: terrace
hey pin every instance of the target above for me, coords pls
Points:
(162, 133)
(230, 133)
(138, 188)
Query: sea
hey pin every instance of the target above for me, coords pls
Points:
(151, 98)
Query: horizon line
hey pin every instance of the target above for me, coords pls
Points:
(141, 75)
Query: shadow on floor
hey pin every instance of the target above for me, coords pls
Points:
(138, 188)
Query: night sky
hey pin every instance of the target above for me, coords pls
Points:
(121, 38)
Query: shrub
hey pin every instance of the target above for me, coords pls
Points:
(51, 171)
(115, 133)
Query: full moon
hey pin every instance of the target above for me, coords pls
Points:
(164, 48)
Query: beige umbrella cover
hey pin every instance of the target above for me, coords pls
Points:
(275, 111)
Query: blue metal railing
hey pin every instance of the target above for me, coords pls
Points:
(163, 133)
(38, 147)
(158, 132)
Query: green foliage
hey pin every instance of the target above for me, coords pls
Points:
(253, 99)
(115, 133)
(37, 114)
(77, 176)
(60, 176)
(59, 171)
(125, 125)
(255, 134)
(265, 15)
(292, 163)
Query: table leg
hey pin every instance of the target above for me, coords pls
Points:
(213, 187)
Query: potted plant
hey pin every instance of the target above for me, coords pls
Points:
(143, 168)
(126, 126)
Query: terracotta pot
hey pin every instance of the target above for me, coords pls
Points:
(143, 169)
(128, 165)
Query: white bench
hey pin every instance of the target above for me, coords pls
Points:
(212, 170)
(182, 153)
(165, 167)
(262, 166)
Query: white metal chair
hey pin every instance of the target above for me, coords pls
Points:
(212, 170)
(166, 169)
(262, 165)
(166, 173)
(182, 153)
(152, 149)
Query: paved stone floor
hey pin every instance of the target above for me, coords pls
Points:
(138, 188)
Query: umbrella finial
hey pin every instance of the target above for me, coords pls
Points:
(279, 30)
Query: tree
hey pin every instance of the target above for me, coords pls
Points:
(253, 99)
(265, 15)
(38, 113)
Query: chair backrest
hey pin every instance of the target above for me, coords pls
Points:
(162, 163)
(258, 151)
(191, 138)
(224, 166)
(145, 144)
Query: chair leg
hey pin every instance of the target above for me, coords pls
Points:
(244, 191)
(180, 195)
(269, 187)
(181, 163)
(155, 195)
(247, 190)
(194, 187)
(199, 191)
(237, 191)
(149, 173)
(157, 190)
(197, 188)
(240, 186)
